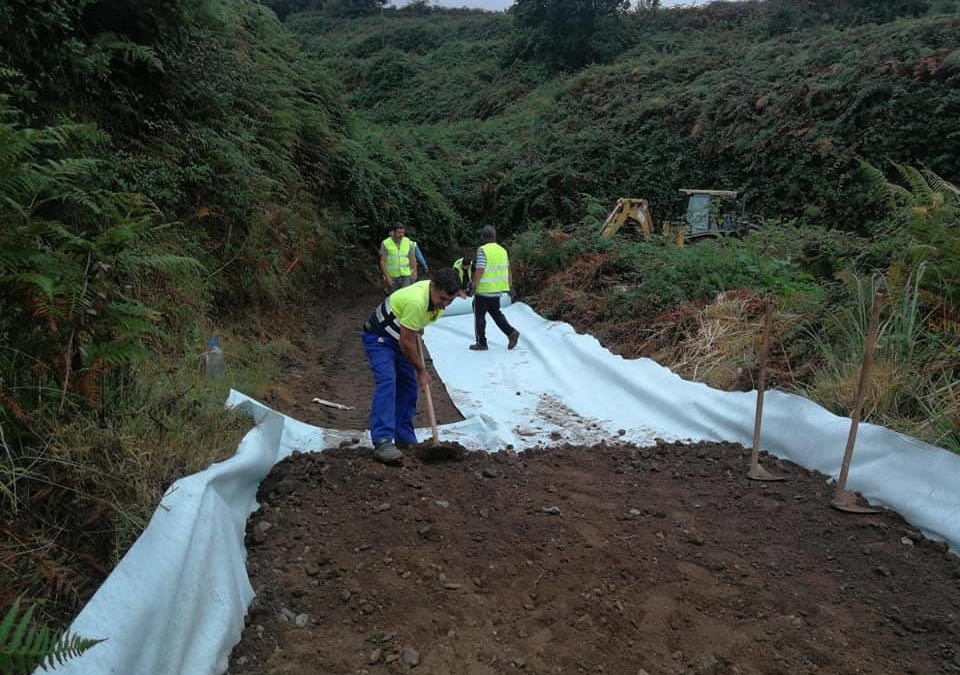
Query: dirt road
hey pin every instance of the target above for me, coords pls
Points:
(606, 559)
(330, 364)
(603, 559)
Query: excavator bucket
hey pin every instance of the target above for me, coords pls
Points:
(628, 211)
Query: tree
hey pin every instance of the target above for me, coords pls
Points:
(563, 32)
(351, 8)
(286, 7)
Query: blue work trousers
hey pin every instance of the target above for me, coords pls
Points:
(395, 398)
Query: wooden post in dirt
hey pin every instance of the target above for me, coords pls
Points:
(757, 472)
(842, 499)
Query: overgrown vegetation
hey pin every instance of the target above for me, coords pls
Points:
(169, 170)
(698, 309)
(695, 97)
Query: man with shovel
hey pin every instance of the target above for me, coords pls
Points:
(390, 340)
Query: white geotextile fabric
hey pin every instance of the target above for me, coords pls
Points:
(559, 386)
(175, 603)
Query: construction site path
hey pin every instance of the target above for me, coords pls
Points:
(330, 364)
(603, 559)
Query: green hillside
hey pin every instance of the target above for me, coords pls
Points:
(689, 98)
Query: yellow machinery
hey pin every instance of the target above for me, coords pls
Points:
(710, 214)
(635, 214)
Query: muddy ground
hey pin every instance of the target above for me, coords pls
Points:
(606, 559)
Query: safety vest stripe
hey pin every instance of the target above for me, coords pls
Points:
(383, 320)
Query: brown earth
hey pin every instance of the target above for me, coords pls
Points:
(603, 559)
(329, 363)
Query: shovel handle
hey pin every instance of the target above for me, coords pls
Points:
(430, 414)
(761, 382)
(871, 340)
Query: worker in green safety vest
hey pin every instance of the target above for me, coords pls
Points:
(463, 266)
(398, 261)
(491, 279)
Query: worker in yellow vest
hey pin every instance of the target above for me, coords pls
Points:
(491, 279)
(398, 260)
(463, 266)
(390, 341)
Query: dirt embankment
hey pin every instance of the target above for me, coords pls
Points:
(601, 559)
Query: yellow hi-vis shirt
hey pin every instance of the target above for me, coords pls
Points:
(409, 307)
(464, 274)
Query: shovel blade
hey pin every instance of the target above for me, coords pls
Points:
(438, 452)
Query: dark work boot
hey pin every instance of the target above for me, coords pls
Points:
(512, 340)
(387, 453)
(477, 347)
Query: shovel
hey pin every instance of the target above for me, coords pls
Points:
(432, 450)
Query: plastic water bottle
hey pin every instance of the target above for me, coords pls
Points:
(214, 364)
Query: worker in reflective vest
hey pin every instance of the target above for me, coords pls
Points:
(464, 269)
(491, 279)
(398, 261)
(390, 342)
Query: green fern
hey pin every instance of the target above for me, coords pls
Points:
(130, 52)
(25, 647)
(920, 191)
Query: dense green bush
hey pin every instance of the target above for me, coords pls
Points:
(166, 168)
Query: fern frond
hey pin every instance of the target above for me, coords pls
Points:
(72, 167)
(941, 185)
(880, 187)
(45, 284)
(130, 52)
(115, 354)
(167, 263)
(920, 189)
(24, 647)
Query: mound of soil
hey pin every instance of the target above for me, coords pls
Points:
(604, 559)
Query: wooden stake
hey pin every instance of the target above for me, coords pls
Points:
(430, 412)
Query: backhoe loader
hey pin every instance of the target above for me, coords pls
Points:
(635, 214)
(711, 214)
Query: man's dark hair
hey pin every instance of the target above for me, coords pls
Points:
(397, 226)
(467, 255)
(446, 280)
(488, 234)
